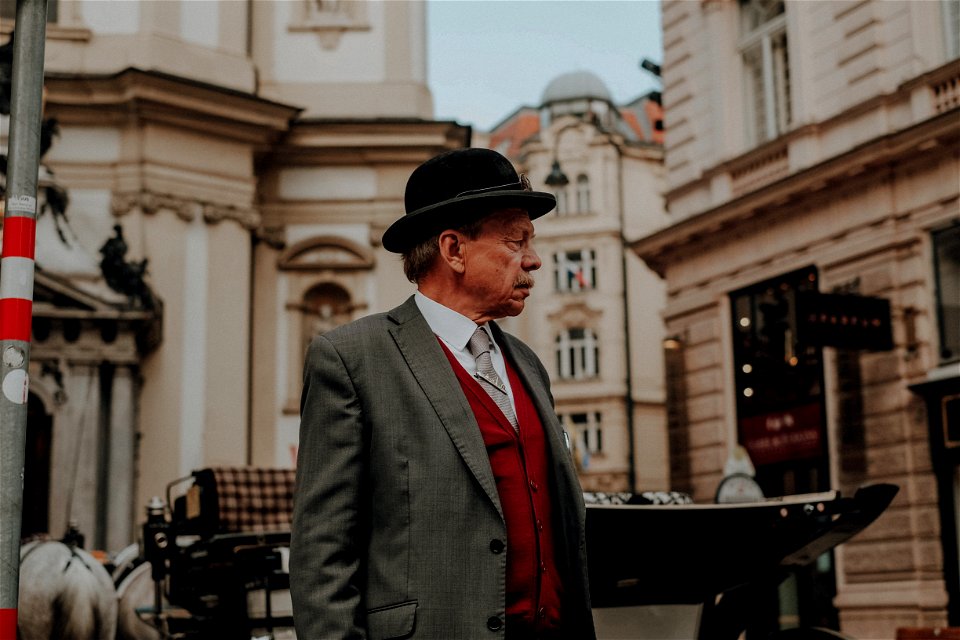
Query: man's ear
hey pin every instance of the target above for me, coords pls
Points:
(452, 250)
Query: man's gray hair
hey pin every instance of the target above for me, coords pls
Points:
(419, 259)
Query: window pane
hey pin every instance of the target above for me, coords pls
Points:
(781, 80)
(583, 194)
(574, 270)
(561, 196)
(756, 110)
(577, 353)
(766, 64)
(946, 245)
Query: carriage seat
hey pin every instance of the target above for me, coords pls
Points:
(236, 500)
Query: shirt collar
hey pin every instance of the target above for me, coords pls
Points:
(453, 328)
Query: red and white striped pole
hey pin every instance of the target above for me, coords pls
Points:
(16, 290)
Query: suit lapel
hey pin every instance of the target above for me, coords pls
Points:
(424, 356)
(528, 372)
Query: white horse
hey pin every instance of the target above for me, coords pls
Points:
(136, 592)
(65, 594)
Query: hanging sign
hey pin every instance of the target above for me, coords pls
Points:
(844, 321)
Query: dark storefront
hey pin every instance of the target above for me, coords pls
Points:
(780, 327)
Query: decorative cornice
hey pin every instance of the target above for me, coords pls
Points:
(868, 162)
(186, 209)
(161, 97)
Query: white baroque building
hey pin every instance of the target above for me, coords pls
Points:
(594, 316)
(253, 153)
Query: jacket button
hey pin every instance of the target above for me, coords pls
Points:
(494, 623)
(496, 545)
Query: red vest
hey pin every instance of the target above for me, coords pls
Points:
(522, 472)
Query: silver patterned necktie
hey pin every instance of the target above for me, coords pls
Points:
(479, 347)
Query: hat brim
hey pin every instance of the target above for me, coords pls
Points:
(419, 225)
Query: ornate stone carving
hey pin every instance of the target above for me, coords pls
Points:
(330, 19)
(326, 252)
(186, 209)
(274, 236)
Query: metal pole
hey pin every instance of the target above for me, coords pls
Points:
(16, 290)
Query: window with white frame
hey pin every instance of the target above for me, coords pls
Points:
(575, 270)
(578, 354)
(560, 193)
(587, 431)
(583, 194)
(763, 45)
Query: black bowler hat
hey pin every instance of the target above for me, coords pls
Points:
(457, 187)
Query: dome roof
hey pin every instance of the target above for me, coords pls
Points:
(576, 85)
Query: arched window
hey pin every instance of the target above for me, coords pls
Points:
(325, 307)
(583, 194)
(578, 354)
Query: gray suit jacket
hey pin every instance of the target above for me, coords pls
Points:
(396, 504)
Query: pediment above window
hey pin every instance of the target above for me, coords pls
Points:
(575, 315)
(326, 252)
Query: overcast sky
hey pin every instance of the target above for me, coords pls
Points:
(488, 57)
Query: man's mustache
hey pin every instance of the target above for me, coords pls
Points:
(525, 281)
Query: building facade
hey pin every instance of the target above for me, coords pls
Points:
(252, 153)
(811, 265)
(594, 317)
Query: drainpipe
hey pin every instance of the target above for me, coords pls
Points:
(628, 399)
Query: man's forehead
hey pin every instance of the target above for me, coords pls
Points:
(511, 218)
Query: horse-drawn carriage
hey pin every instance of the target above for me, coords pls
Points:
(213, 559)
(222, 557)
(218, 559)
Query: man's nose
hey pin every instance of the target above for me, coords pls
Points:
(531, 261)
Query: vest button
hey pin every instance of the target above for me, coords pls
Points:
(497, 546)
(494, 623)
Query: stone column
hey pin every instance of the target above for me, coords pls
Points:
(75, 464)
(121, 492)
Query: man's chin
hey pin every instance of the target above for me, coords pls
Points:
(515, 308)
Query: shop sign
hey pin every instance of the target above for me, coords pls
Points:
(844, 321)
(791, 434)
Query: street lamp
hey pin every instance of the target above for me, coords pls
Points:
(557, 177)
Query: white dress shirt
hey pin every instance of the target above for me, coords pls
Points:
(455, 330)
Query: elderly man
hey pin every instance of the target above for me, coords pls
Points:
(436, 497)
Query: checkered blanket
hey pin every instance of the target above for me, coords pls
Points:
(251, 499)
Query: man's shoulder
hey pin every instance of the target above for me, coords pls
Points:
(365, 327)
(372, 326)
